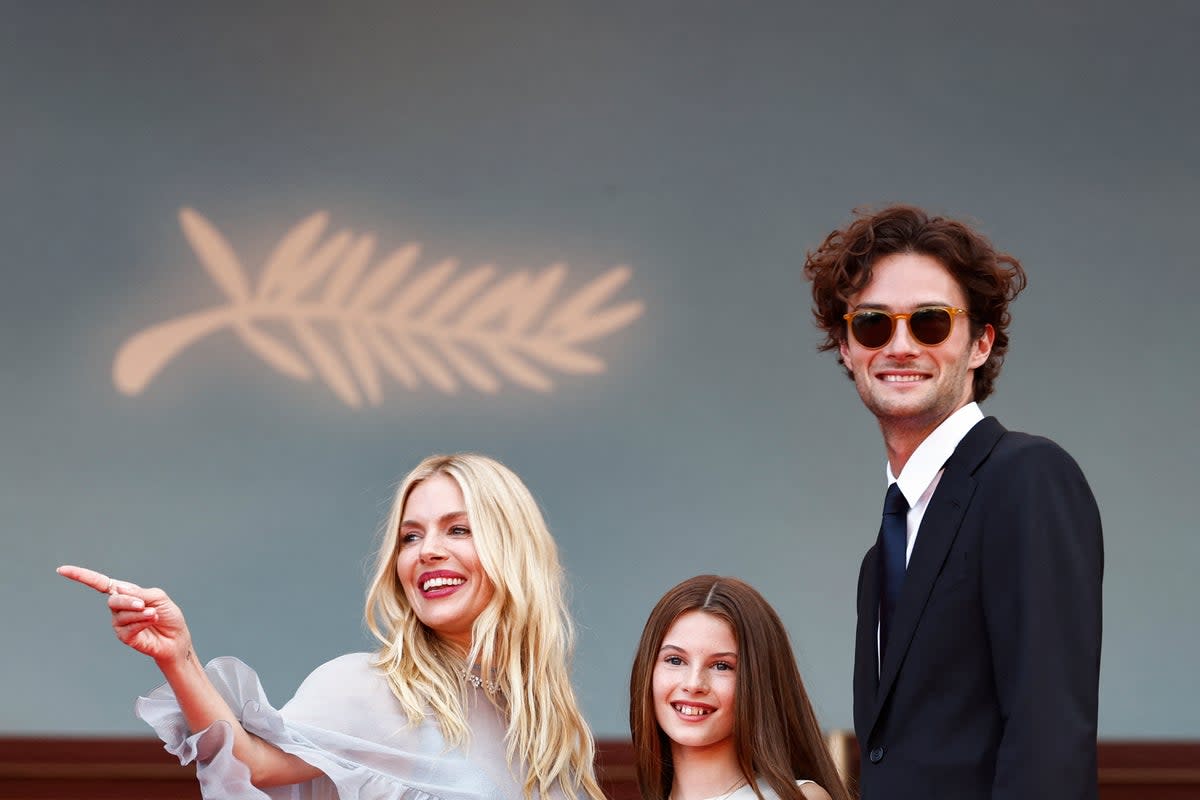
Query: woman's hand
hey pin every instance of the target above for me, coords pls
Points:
(147, 621)
(144, 619)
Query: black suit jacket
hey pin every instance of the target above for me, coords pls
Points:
(989, 687)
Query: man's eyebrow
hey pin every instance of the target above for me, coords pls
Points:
(914, 306)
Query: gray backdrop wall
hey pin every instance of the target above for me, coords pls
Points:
(705, 145)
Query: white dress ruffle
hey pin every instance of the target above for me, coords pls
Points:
(345, 721)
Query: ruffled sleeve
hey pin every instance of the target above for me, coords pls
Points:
(345, 721)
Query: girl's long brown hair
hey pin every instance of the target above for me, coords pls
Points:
(775, 732)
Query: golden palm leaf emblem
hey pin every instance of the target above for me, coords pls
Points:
(350, 324)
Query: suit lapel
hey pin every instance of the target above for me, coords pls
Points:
(939, 527)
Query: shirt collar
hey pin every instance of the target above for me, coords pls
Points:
(931, 455)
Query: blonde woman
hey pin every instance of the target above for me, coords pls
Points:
(467, 698)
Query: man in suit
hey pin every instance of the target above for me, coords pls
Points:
(977, 657)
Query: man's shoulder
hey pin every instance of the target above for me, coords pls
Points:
(1020, 445)
(1007, 445)
(1033, 460)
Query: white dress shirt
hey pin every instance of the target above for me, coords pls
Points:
(921, 475)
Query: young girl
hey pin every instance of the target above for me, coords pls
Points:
(716, 704)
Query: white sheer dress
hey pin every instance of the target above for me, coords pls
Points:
(345, 721)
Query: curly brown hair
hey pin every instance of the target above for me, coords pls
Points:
(841, 267)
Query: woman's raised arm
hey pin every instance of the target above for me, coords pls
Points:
(149, 622)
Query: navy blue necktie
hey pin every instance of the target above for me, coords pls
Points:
(893, 543)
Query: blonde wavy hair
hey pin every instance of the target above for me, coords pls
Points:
(522, 639)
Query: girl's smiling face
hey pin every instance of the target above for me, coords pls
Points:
(693, 683)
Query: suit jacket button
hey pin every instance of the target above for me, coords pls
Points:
(876, 755)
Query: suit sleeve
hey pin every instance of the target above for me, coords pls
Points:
(1043, 564)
